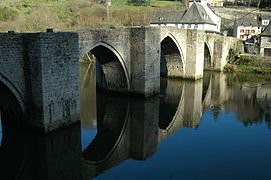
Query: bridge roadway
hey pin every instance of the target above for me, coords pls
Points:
(41, 69)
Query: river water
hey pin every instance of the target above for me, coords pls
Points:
(215, 128)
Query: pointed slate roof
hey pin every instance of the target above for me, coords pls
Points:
(196, 14)
(167, 17)
(267, 31)
(247, 21)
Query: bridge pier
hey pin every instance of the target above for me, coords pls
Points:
(144, 58)
(220, 53)
(52, 75)
(195, 55)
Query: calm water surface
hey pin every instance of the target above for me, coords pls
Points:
(215, 128)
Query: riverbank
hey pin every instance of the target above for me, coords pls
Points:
(38, 15)
(249, 64)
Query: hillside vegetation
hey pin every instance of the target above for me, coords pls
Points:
(38, 15)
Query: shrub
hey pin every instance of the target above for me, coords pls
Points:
(8, 14)
(244, 60)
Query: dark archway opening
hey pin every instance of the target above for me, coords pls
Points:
(11, 114)
(110, 74)
(207, 58)
(10, 109)
(170, 61)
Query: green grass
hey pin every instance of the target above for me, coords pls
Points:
(165, 3)
(37, 15)
(246, 64)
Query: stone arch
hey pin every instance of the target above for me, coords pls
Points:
(208, 60)
(13, 89)
(118, 59)
(171, 66)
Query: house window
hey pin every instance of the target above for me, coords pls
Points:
(247, 31)
(252, 31)
(196, 26)
(265, 22)
(189, 26)
(242, 31)
(242, 36)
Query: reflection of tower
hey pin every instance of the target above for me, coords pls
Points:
(220, 92)
(144, 123)
(192, 103)
(55, 156)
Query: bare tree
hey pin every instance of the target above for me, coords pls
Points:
(186, 4)
(259, 2)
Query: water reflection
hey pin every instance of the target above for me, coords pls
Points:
(0, 129)
(29, 156)
(116, 130)
(88, 112)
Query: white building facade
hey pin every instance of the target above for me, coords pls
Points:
(197, 16)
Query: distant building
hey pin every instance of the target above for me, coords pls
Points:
(197, 16)
(231, 1)
(250, 27)
(264, 21)
(167, 18)
(216, 3)
(265, 41)
(246, 28)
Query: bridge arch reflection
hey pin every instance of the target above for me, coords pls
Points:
(171, 104)
(112, 122)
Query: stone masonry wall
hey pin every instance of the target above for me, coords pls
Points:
(60, 79)
(12, 65)
(145, 60)
(42, 71)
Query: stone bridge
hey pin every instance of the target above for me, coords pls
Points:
(41, 70)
